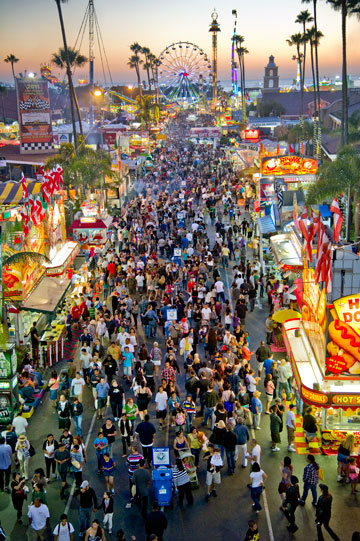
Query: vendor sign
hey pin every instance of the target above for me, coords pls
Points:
(285, 165)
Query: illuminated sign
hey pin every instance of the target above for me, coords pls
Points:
(250, 135)
(315, 397)
(346, 399)
(4, 385)
(348, 311)
(288, 165)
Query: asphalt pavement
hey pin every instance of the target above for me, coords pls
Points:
(223, 518)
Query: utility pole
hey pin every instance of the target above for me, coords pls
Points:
(214, 28)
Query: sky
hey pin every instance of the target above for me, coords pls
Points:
(30, 30)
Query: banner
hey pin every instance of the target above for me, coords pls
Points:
(34, 116)
(286, 165)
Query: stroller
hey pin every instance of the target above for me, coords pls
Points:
(189, 463)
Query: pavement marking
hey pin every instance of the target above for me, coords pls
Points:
(86, 444)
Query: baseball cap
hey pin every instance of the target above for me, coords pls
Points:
(84, 484)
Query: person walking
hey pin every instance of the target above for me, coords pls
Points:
(5, 465)
(141, 480)
(323, 513)
(64, 530)
(39, 518)
(291, 503)
(257, 478)
(311, 479)
(262, 353)
(229, 443)
(62, 459)
(182, 483)
(291, 427)
(49, 447)
(88, 506)
(102, 390)
(107, 505)
(18, 494)
(146, 431)
(256, 409)
(242, 437)
(156, 523)
(64, 411)
(275, 428)
(22, 449)
(214, 463)
(117, 399)
(77, 413)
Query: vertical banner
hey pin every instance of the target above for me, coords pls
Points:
(34, 116)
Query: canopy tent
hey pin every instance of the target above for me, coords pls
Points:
(97, 223)
(11, 192)
(283, 315)
(47, 295)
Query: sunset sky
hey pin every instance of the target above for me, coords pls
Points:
(30, 30)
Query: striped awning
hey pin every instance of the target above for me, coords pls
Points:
(11, 192)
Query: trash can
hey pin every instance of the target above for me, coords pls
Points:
(162, 479)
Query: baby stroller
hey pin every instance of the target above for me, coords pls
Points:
(189, 464)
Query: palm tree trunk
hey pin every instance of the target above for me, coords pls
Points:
(69, 76)
(317, 142)
(345, 104)
(243, 94)
(13, 71)
(314, 95)
(139, 80)
(301, 121)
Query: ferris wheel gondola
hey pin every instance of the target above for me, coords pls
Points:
(184, 73)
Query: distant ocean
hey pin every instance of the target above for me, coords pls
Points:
(284, 83)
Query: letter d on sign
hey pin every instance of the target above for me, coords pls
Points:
(347, 317)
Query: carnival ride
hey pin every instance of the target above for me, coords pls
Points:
(184, 73)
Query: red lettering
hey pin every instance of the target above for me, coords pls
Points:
(354, 303)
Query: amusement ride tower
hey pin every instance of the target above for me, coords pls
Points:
(214, 28)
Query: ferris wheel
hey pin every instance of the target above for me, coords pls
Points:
(184, 73)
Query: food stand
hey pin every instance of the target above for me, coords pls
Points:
(91, 231)
(324, 349)
(9, 395)
(286, 248)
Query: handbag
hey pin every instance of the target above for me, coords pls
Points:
(321, 474)
(32, 451)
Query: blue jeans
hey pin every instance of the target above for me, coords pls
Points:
(222, 451)
(77, 423)
(220, 296)
(85, 519)
(196, 454)
(230, 457)
(255, 496)
(308, 487)
(147, 330)
(188, 419)
(209, 412)
(152, 329)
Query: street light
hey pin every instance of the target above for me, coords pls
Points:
(98, 92)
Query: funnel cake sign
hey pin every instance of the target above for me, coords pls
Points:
(288, 165)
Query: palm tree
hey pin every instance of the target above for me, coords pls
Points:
(297, 40)
(146, 52)
(241, 51)
(72, 94)
(347, 7)
(341, 175)
(135, 63)
(310, 37)
(11, 59)
(303, 18)
(76, 60)
(147, 110)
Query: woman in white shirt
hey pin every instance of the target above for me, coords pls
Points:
(257, 478)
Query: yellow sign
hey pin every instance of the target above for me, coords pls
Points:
(348, 310)
(346, 399)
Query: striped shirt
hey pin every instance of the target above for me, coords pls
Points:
(189, 407)
(133, 463)
(180, 477)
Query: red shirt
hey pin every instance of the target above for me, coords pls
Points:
(112, 268)
(75, 312)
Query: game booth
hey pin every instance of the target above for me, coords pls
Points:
(324, 348)
(91, 231)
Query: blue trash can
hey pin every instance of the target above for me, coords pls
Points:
(162, 479)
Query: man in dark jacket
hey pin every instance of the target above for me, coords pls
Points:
(156, 522)
(262, 353)
(88, 505)
(291, 502)
(229, 442)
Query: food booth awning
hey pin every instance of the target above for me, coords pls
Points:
(47, 295)
(287, 251)
(11, 193)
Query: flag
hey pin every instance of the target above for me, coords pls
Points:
(278, 149)
(338, 219)
(261, 148)
(291, 149)
(279, 193)
(25, 192)
(323, 270)
(302, 148)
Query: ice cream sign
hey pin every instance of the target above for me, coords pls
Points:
(288, 165)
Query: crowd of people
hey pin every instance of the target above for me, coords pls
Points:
(163, 347)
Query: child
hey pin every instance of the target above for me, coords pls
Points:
(179, 417)
(108, 467)
(353, 473)
(213, 467)
(190, 410)
(253, 533)
(107, 505)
